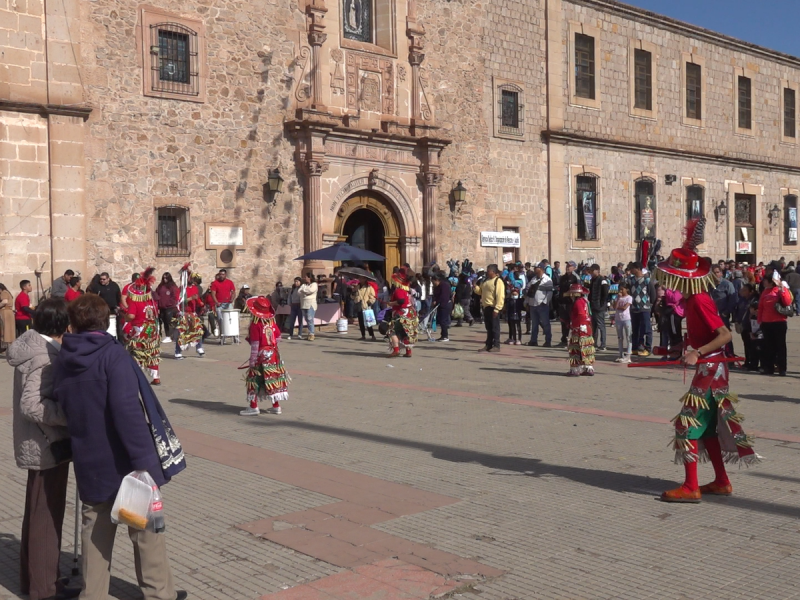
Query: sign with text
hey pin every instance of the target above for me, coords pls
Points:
(224, 235)
(500, 239)
(744, 247)
(508, 257)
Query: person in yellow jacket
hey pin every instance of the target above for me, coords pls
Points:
(493, 297)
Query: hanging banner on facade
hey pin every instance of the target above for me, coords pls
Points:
(791, 229)
(500, 239)
(744, 247)
(508, 257)
(589, 215)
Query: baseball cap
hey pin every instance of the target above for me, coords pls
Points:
(245, 287)
(572, 263)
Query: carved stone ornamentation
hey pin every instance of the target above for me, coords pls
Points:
(337, 77)
(370, 83)
(401, 73)
(424, 105)
(303, 87)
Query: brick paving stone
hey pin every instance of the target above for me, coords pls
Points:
(562, 500)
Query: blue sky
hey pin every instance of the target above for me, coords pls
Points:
(769, 23)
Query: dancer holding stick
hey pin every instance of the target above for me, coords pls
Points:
(708, 426)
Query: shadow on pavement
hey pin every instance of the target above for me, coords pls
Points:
(532, 467)
(770, 398)
(9, 574)
(529, 371)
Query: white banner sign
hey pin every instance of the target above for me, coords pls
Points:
(744, 247)
(500, 239)
(225, 235)
(508, 257)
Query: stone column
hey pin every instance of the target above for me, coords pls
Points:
(315, 13)
(429, 182)
(312, 217)
(415, 34)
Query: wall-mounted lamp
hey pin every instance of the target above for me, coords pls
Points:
(275, 181)
(459, 192)
(720, 211)
(774, 215)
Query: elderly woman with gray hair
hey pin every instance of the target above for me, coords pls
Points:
(42, 446)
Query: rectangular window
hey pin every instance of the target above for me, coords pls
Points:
(695, 203)
(744, 85)
(643, 79)
(510, 109)
(172, 231)
(586, 205)
(694, 74)
(584, 66)
(174, 65)
(173, 53)
(645, 210)
(789, 113)
(357, 20)
(790, 220)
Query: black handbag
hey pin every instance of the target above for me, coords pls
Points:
(60, 449)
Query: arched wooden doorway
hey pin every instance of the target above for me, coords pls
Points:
(367, 220)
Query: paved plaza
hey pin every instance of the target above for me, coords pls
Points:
(452, 474)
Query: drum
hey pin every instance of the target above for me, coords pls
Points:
(229, 326)
(112, 325)
(341, 325)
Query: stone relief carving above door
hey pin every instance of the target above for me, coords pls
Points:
(337, 77)
(370, 83)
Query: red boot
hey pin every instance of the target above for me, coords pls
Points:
(408, 352)
(689, 491)
(395, 353)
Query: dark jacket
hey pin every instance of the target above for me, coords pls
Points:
(792, 279)
(442, 294)
(598, 294)
(463, 291)
(514, 308)
(95, 384)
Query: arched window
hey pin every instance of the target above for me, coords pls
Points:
(586, 185)
(645, 208)
(172, 231)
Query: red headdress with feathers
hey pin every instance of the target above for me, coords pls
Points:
(140, 289)
(685, 270)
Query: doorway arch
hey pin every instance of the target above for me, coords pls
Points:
(367, 219)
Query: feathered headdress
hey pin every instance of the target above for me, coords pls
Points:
(140, 289)
(685, 270)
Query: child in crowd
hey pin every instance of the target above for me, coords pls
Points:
(22, 306)
(514, 317)
(622, 306)
(756, 338)
(266, 377)
(581, 342)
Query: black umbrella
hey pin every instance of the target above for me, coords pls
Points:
(356, 272)
(342, 252)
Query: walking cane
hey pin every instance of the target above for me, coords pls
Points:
(75, 570)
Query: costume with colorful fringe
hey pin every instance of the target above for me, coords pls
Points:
(266, 378)
(141, 333)
(709, 410)
(189, 325)
(405, 321)
(581, 342)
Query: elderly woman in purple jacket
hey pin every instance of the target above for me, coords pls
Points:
(97, 387)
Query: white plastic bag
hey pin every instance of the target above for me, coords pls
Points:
(134, 500)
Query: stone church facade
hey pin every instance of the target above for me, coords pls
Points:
(135, 135)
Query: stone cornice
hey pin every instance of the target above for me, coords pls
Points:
(564, 137)
(67, 110)
(683, 28)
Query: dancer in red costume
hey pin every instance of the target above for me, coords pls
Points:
(141, 326)
(405, 322)
(188, 324)
(266, 378)
(581, 342)
(708, 426)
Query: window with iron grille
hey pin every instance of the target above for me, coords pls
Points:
(645, 198)
(584, 66)
(745, 88)
(643, 79)
(586, 206)
(695, 203)
(174, 67)
(509, 111)
(172, 231)
(694, 74)
(789, 113)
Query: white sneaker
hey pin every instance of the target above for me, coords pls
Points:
(166, 340)
(288, 337)
(250, 412)
(216, 332)
(274, 410)
(178, 356)
(626, 360)
(200, 352)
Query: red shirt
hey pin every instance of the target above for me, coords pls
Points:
(22, 301)
(71, 294)
(580, 315)
(702, 320)
(194, 304)
(224, 290)
(400, 296)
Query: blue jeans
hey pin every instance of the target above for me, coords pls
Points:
(540, 315)
(308, 317)
(294, 316)
(642, 330)
(796, 294)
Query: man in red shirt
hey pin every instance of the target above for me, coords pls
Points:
(222, 292)
(22, 306)
(708, 426)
